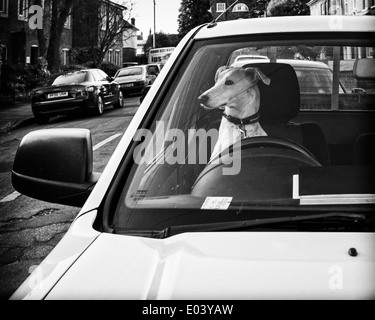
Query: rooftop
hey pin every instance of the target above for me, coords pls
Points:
(295, 24)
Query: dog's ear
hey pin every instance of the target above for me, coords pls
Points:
(258, 74)
(220, 71)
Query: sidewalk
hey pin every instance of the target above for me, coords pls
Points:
(14, 116)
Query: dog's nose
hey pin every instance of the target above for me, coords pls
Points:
(203, 99)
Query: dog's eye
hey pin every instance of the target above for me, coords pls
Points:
(229, 83)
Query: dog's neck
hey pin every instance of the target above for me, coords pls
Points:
(246, 126)
(230, 133)
(243, 122)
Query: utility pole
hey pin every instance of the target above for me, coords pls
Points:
(154, 37)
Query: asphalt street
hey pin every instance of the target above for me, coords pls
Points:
(30, 229)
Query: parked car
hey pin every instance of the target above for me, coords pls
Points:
(155, 68)
(84, 90)
(284, 214)
(134, 79)
(249, 57)
(129, 64)
(144, 92)
(313, 76)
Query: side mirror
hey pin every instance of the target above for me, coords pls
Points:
(55, 165)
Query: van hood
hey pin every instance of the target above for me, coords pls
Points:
(231, 266)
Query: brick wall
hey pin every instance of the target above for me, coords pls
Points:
(20, 40)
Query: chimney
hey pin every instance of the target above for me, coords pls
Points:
(133, 21)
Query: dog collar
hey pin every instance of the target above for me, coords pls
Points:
(243, 122)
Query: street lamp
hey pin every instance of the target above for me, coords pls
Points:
(265, 3)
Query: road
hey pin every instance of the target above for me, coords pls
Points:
(30, 229)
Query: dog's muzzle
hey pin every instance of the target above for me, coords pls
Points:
(203, 100)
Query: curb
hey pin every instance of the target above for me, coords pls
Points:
(9, 126)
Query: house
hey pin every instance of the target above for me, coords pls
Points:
(345, 7)
(242, 10)
(99, 26)
(342, 7)
(19, 39)
(130, 42)
(349, 54)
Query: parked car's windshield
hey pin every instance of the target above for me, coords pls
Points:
(71, 78)
(303, 155)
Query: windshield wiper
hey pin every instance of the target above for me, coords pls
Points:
(248, 224)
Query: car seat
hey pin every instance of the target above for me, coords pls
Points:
(364, 151)
(280, 104)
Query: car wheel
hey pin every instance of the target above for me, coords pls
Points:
(121, 102)
(41, 119)
(99, 106)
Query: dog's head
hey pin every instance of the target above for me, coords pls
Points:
(235, 88)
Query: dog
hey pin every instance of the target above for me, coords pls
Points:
(236, 91)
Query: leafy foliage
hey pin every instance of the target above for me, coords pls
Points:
(288, 8)
(192, 14)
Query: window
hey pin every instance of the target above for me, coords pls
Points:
(220, 7)
(163, 176)
(34, 54)
(3, 53)
(69, 78)
(117, 57)
(240, 7)
(129, 72)
(68, 22)
(65, 56)
(4, 7)
(97, 76)
(22, 9)
(104, 17)
(110, 56)
(103, 75)
(322, 9)
(336, 7)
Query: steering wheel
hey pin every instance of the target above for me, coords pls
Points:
(264, 142)
(265, 166)
(259, 142)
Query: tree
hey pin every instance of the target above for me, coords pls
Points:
(288, 8)
(60, 11)
(42, 39)
(55, 14)
(104, 26)
(192, 14)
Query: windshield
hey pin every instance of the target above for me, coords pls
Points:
(288, 133)
(71, 78)
(130, 72)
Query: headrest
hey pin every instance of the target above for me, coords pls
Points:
(280, 101)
